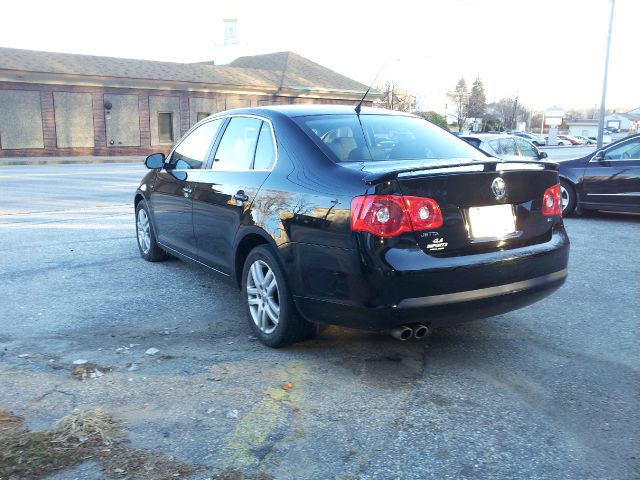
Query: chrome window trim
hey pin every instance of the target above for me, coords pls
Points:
(273, 137)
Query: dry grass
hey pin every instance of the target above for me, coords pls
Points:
(81, 436)
(95, 426)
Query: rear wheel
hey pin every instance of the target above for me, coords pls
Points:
(568, 198)
(272, 314)
(149, 249)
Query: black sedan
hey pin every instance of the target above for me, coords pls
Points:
(375, 220)
(608, 179)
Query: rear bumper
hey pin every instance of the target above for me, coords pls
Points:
(433, 291)
(434, 311)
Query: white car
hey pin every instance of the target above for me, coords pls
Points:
(586, 140)
(559, 140)
(505, 147)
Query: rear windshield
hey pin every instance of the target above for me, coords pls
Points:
(383, 137)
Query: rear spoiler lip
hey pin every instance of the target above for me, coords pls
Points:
(489, 166)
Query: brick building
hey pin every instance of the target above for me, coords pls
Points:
(59, 104)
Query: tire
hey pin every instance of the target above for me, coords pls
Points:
(271, 312)
(149, 248)
(567, 197)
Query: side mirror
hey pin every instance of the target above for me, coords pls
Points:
(154, 161)
(599, 156)
(542, 155)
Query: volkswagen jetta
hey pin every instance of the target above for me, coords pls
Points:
(373, 220)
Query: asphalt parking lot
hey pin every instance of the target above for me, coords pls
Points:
(550, 391)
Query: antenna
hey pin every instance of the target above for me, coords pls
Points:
(359, 106)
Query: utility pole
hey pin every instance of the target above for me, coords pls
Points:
(604, 85)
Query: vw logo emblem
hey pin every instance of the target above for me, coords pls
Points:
(499, 188)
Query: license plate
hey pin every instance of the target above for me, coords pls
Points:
(494, 221)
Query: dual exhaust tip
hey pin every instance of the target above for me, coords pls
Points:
(406, 332)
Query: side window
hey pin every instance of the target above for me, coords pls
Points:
(630, 150)
(495, 146)
(526, 149)
(193, 149)
(508, 146)
(266, 150)
(238, 144)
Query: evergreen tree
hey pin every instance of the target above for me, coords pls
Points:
(477, 100)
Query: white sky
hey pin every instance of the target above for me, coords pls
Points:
(550, 52)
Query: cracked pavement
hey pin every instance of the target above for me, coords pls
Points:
(545, 392)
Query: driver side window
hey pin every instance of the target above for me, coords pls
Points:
(630, 150)
(192, 151)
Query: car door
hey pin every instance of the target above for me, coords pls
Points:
(613, 179)
(244, 158)
(171, 196)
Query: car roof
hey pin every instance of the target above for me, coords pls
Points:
(314, 109)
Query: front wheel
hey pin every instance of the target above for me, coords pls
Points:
(149, 249)
(568, 198)
(272, 314)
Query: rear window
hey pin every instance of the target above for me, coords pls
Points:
(383, 137)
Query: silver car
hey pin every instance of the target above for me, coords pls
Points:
(505, 147)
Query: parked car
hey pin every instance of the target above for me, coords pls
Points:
(607, 179)
(612, 129)
(559, 140)
(300, 208)
(586, 140)
(535, 139)
(506, 147)
(571, 140)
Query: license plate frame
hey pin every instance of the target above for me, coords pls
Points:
(490, 222)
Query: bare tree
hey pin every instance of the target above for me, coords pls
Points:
(395, 98)
(510, 111)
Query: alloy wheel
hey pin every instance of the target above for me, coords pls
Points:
(144, 231)
(564, 194)
(263, 296)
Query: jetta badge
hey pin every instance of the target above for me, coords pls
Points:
(499, 188)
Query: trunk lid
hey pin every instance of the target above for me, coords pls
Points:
(486, 205)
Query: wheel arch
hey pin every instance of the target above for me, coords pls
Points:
(245, 242)
(138, 198)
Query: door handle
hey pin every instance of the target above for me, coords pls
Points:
(241, 196)
(187, 190)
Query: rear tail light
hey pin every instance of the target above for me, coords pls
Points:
(552, 201)
(391, 215)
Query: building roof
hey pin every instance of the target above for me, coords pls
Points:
(299, 72)
(276, 71)
(628, 116)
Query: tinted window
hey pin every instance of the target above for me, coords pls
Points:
(238, 144)
(526, 149)
(193, 149)
(504, 146)
(623, 152)
(383, 137)
(265, 152)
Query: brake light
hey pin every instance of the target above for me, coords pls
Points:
(552, 201)
(391, 215)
